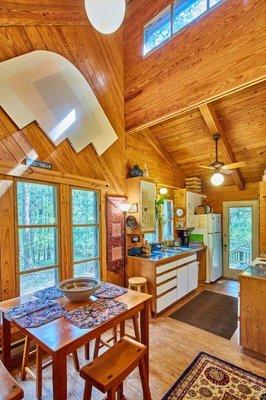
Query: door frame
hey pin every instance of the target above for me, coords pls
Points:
(229, 272)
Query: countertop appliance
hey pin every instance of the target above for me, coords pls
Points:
(209, 226)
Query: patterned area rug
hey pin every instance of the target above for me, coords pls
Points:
(207, 377)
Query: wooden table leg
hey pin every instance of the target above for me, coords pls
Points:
(6, 342)
(59, 360)
(144, 332)
(120, 394)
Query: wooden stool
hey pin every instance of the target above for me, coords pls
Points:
(108, 371)
(99, 342)
(138, 283)
(9, 389)
(39, 365)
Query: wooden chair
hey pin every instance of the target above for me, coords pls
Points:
(9, 389)
(138, 283)
(100, 342)
(108, 371)
(39, 365)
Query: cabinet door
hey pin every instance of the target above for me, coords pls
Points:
(192, 276)
(182, 288)
(148, 195)
(193, 201)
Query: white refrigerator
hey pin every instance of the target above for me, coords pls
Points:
(209, 225)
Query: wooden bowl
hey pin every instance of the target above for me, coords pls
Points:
(79, 289)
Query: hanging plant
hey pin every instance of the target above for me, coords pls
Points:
(158, 207)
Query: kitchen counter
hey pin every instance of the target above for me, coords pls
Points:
(253, 310)
(255, 271)
(171, 274)
(171, 254)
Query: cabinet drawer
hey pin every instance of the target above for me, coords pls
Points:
(167, 275)
(165, 301)
(186, 260)
(166, 286)
(165, 267)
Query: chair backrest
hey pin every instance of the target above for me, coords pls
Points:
(9, 388)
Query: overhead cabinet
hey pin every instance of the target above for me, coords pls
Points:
(142, 194)
(189, 201)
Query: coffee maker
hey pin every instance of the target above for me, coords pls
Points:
(184, 236)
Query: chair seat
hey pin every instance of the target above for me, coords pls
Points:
(137, 280)
(112, 367)
(9, 389)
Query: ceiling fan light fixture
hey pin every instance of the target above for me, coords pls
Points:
(217, 179)
(106, 16)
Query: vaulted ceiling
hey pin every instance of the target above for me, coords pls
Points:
(241, 119)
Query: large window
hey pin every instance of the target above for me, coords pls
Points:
(172, 20)
(85, 232)
(37, 233)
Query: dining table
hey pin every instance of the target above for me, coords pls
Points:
(59, 338)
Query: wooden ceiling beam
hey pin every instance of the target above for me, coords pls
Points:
(163, 153)
(214, 126)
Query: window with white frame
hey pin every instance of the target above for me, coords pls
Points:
(173, 19)
(85, 233)
(37, 236)
(168, 220)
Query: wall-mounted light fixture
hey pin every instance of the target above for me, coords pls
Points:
(106, 16)
(163, 191)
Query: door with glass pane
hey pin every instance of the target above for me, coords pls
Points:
(37, 236)
(240, 236)
(85, 232)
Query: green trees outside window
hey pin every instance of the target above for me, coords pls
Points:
(37, 236)
(85, 232)
(173, 19)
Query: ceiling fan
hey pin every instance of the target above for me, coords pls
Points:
(219, 167)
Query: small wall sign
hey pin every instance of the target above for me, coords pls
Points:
(39, 164)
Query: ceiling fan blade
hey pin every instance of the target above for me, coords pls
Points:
(240, 164)
(226, 171)
(205, 167)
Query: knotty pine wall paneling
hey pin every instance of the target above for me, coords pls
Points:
(62, 27)
(216, 196)
(220, 53)
(140, 152)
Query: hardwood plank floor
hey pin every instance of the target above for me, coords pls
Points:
(174, 345)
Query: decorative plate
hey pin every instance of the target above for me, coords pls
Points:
(131, 222)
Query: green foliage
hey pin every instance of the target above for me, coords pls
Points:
(38, 233)
(240, 236)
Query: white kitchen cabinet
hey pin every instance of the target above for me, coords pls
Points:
(189, 201)
(192, 276)
(193, 200)
(182, 282)
(187, 279)
(165, 301)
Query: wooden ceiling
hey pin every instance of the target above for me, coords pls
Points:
(241, 118)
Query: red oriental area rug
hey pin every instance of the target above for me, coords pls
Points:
(207, 377)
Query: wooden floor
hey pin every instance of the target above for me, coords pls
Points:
(174, 345)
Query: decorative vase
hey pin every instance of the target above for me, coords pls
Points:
(135, 171)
